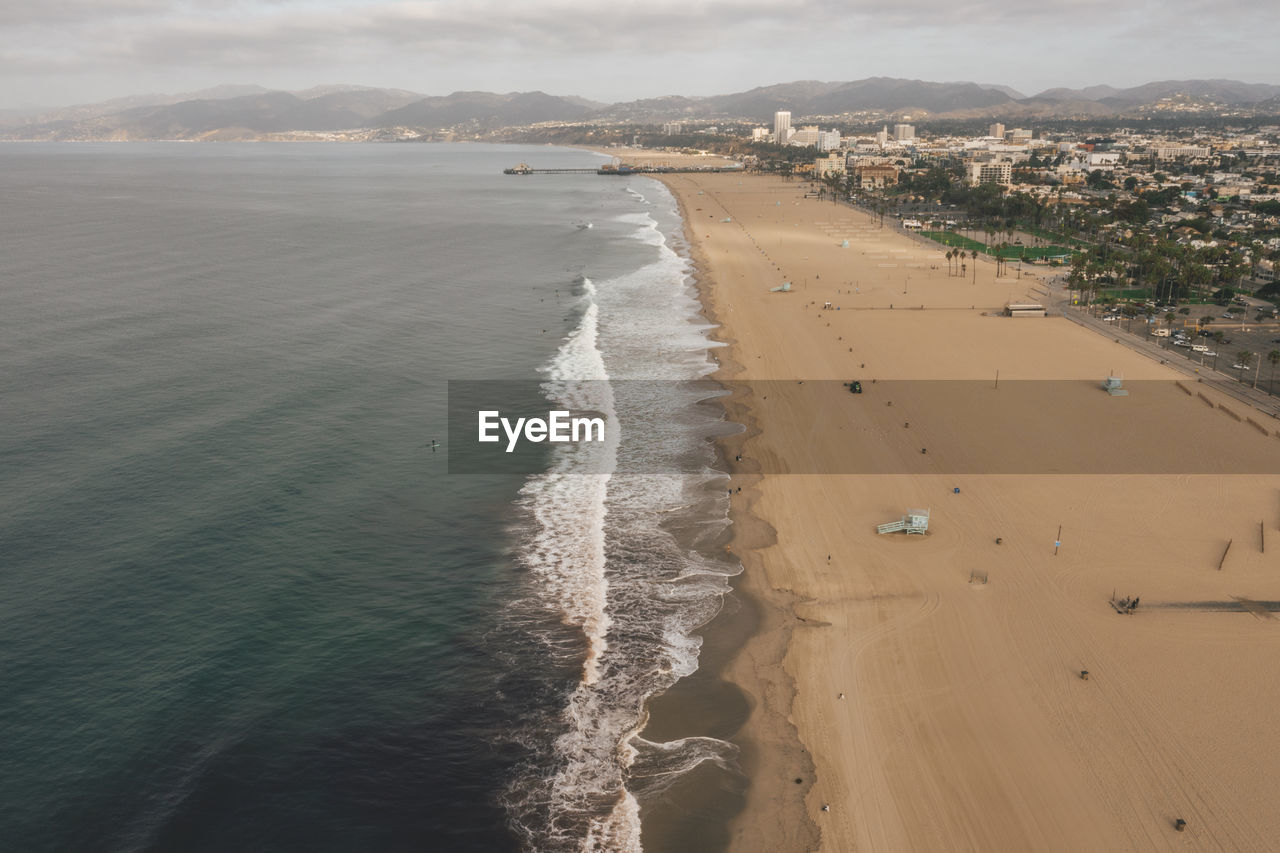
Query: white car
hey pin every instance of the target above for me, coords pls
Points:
(1238, 366)
(1182, 343)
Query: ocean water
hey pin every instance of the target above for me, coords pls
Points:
(242, 604)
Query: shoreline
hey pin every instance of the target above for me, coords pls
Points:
(926, 708)
(754, 618)
(771, 757)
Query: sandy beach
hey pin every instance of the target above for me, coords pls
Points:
(925, 692)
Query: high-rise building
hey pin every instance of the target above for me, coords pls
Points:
(903, 132)
(996, 131)
(782, 126)
(673, 128)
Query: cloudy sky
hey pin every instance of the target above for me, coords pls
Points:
(57, 52)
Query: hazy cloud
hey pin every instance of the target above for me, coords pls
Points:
(666, 46)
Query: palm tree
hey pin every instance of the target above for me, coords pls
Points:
(949, 255)
(973, 255)
(1244, 360)
(1274, 358)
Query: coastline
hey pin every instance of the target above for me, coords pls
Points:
(925, 711)
(775, 763)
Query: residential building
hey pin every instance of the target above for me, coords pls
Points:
(996, 131)
(1175, 152)
(833, 163)
(875, 177)
(806, 136)
(991, 173)
(904, 132)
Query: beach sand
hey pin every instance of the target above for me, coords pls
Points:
(927, 711)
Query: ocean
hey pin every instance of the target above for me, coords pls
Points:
(243, 603)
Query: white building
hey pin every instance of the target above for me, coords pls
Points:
(759, 134)
(991, 173)
(833, 163)
(1173, 152)
(903, 132)
(996, 131)
(1102, 160)
(806, 136)
(782, 127)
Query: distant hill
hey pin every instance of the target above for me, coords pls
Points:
(814, 98)
(1224, 91)
(248, 112)
(483, 109)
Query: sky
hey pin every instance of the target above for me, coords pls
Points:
(60, 52)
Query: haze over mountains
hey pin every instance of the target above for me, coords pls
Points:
(248, 112)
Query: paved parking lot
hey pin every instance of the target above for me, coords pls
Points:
(1239, 334)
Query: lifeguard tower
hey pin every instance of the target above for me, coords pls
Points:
(1114, 386)
(915, 521)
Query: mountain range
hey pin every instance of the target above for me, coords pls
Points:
(251, 112)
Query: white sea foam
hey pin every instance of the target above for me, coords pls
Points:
(602, 557)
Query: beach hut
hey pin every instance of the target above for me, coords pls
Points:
(1024, 309)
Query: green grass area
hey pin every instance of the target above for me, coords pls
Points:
(950, 238)
(1044, 234)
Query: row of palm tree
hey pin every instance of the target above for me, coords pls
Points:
(959, 266)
